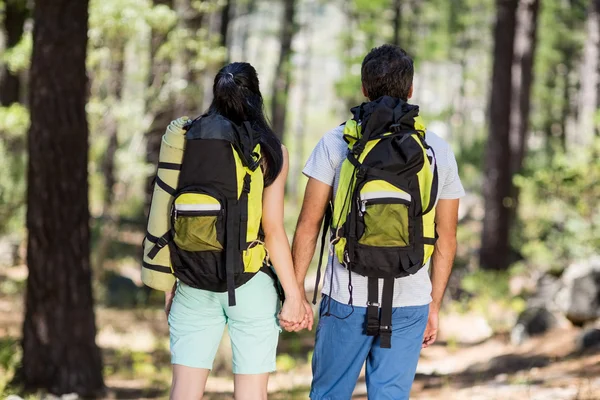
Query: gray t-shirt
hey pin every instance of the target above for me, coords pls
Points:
(324, 164)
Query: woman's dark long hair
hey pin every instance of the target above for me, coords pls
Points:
(237, 97)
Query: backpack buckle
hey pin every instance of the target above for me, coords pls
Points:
(361, 173)
(372, 329)
(247, 181)
(162, 242)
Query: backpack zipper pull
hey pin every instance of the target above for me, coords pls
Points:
(363, 206)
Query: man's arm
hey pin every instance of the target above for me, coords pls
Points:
(316, 198)
(446, 218)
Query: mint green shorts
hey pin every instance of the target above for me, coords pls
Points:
(198, 317)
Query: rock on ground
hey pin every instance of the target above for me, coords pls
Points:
(532, 322)
(579, 297)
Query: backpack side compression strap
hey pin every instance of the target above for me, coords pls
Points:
(243, 204)
(233, 259)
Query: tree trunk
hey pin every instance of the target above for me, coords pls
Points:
(224, 26)
(15, 14)
(397, 21)
(497, 181)
(59, 349)
(246, 25)
(281, 84)
(162, 112)
(522, 77)
(189, 100)
(109, 221)
(303, 105)
(218, 24)
(590, 73)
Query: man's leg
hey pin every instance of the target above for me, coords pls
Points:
(341, 348)
(391, 372)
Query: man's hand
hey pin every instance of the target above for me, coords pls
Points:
(307, 322)
(431, 330)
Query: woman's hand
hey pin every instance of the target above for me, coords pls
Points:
(307, 321)
(292, 313)
(169, 300)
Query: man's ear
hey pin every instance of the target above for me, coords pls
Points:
(410, 92)
(364, 91)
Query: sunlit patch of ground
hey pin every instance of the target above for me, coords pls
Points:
(137, 361)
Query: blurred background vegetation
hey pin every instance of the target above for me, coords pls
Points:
(513, 85)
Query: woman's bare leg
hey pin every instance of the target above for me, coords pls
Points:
(250, 387)
(188, 383)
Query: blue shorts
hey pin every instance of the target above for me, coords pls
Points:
(342, 347)
(198, 317)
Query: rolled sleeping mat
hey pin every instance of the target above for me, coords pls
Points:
(157, 271)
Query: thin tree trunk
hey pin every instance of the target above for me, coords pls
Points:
(303, 104)
(522, 77)
(59, 330)
(397, 21)
(224, 25)
(15, 14)
(246, 25)
(218, 24)
(497, 183)
(109, 222)
(525, 45)
(189, 100)
(566, 98)
(590, 73)
(281, 84)
(162, 111)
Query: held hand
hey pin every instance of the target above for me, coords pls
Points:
(307, 321)
(292, 312)
(431, 330)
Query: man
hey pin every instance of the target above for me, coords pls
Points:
(342, 345)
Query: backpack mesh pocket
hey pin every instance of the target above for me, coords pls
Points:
(198, 222)
(384, 216)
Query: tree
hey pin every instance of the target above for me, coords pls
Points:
(397, 21)
(281, 83)
(160, 101)
(522, 77)
(15, 14)
(497, 181)
(590, 72)
(191, 18)
(226, 12)
(59, 349)
(247, 13)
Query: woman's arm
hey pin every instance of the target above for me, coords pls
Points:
(278, 245)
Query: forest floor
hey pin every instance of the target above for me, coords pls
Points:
(136, 357)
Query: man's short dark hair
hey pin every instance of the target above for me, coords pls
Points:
(387, 71)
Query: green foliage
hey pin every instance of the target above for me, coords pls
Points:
(561, 34)
(14, 121)
(559, 214)
(10, 359)
(18, 58)
(490, 297)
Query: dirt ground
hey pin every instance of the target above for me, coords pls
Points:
(136, 355)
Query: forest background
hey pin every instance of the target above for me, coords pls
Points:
(87, 88)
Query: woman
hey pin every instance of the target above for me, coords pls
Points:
(197, 317)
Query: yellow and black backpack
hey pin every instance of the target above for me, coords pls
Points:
(383, 215)
(212, 236)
